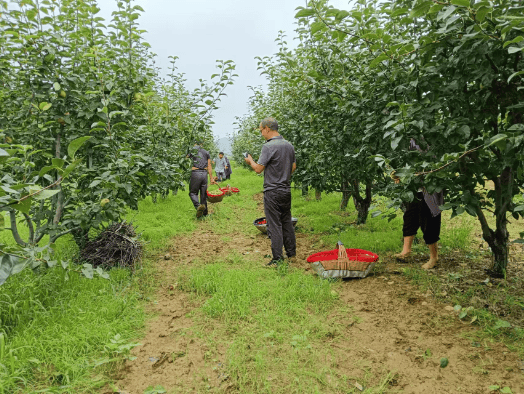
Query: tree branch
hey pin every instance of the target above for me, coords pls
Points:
(14, 229)
(30, 227)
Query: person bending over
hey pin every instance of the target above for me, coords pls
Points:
(424, 213)
(277, 160)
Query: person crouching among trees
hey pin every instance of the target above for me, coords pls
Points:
(220, 167)
(424, 213)
(277, 160)
(198, 182)
(228, 168)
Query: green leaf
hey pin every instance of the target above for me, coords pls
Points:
(463, 3)
(75, 145)
(497, 138)
(395, 142)
(515, 49)
(4, 153)
(399, 11)
(58, 162)
(341, 15)
(56, 86)
(444, 362)
(23, 206)
(316, 26)
(514, 41)
(71, 167)
(515, 74)
(10, 265)
(45, 170)
(88, 271)
(45, 194)
(421, 9)
(305, 13)
(494, 387)
(378, 59)
(506, 390)
(502, 324)
(481, 13)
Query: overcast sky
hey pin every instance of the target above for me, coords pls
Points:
(201, 31)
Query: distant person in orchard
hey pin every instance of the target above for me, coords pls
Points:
(424, 213)
(228, 169)
(277, 160)
(220, 167)
(198, 182)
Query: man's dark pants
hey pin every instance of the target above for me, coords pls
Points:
(277, 206)
(220, 176)
(418, 215)
(198, 183)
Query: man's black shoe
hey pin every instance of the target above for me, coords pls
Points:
(200, 210)
(273, 263)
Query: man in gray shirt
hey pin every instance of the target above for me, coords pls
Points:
(277, 160)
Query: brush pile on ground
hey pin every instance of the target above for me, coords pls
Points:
(116, 246)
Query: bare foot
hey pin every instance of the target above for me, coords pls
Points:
(402, 256)
(430, 264)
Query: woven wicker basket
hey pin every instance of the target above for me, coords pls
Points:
(342, 262)
(215, 197)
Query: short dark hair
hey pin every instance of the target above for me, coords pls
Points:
(269, 122)
(221, 153)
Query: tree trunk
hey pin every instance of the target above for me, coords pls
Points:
(346, 194)
(305, 190)
(498, 240)
(362, 204)
(318, 195)
(60, 195)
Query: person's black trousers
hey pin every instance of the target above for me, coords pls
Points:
(277, 206)
(198, 183)
(417, 216)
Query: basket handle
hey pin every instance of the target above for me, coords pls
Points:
(343, 259)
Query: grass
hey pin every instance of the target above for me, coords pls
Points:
(61, 331)
(277, 333)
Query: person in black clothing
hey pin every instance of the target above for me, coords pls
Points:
(198, 182)
(277, 160)
(228, 168)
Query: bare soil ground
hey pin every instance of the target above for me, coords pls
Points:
(399, 329)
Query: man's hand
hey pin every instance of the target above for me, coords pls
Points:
(248, 159)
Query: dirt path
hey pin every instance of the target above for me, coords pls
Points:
(399, 329)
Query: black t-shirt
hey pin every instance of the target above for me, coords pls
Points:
(201, 158)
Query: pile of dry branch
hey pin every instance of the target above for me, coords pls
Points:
(116, 246)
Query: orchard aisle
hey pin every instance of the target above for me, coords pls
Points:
(223, 323)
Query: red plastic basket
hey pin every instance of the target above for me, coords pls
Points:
(230, 189)
(344, 259)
